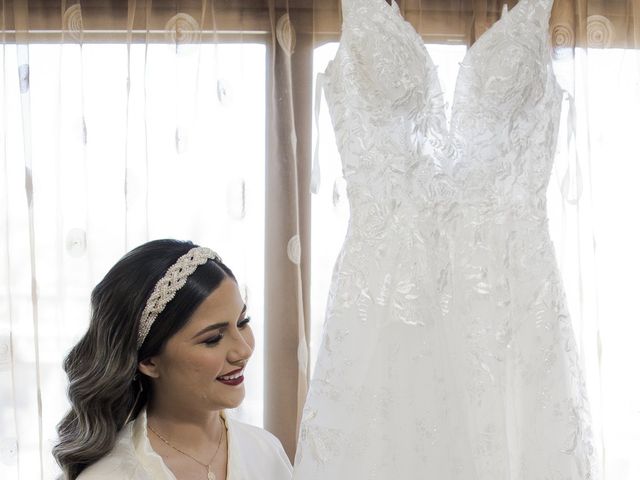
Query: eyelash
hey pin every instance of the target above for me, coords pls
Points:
(214, 340)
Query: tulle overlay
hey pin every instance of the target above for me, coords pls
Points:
(448, 351)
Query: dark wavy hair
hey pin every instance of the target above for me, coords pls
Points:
(105, 389)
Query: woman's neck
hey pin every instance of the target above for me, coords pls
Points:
(186, 427)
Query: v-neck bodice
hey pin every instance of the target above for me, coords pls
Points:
(387, 106)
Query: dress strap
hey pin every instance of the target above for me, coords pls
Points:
(349, 6)
(355, 9)
(316, 176)
(538, 10)
(571, 186)
(543, 9)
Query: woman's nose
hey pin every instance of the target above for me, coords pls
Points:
(241, 349)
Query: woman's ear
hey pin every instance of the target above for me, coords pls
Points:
(149, 367)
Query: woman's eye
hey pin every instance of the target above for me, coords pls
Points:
(213, 340)
(244, 322)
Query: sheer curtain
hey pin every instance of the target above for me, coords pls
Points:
(127, 121)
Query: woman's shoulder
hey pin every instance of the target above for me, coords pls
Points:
(110, 467)
(262, 449)
(256, 434)
(121, 462)
(113, 466)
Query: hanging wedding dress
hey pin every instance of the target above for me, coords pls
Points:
(448, 352)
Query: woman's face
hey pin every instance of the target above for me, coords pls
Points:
(202, 365)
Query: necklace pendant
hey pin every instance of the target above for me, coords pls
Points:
(211, 475)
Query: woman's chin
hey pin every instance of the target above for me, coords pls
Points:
(233, 398)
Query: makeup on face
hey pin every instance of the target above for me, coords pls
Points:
(204, 363)
(233, 378)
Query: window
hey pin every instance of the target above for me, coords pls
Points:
(181, 156)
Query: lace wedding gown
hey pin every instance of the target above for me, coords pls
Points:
(448, 352)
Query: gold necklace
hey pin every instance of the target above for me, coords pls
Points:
(210, 474)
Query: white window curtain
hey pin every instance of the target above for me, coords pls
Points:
(105, 146)
(122, 122)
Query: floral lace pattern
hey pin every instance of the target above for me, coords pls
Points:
(448, 351)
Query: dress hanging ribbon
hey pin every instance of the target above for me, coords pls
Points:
(315, 171)
(571, 186)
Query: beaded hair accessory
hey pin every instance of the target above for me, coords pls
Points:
(172, 281)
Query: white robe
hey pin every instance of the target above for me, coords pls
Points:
(253, 454)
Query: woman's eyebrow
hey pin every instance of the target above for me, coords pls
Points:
(215, 326)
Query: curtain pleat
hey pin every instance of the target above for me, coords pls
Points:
(21, 15)
(285, 294)
(7, 323)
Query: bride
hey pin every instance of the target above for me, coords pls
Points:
(149, 382)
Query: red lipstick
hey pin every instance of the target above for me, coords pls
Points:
(232, 378)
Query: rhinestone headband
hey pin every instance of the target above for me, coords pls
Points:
(172, 281)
